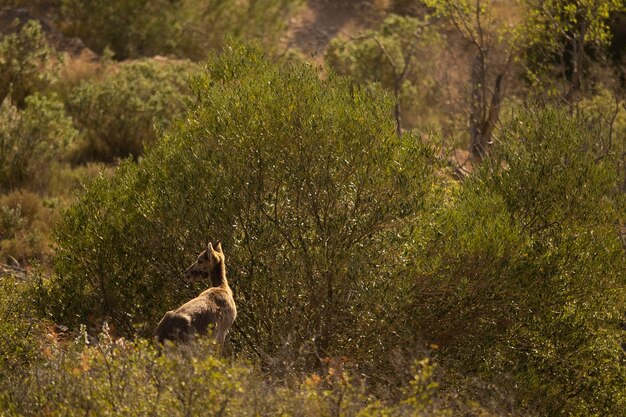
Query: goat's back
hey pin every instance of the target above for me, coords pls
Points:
(174, 327)
(214, 308)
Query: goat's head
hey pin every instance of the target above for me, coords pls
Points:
(208, 260)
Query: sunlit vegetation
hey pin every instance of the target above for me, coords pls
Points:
(431, 223)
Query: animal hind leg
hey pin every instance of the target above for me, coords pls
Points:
(220, 335)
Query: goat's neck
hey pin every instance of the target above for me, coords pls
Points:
(218, 276)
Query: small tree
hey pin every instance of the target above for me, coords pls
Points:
(31, 139)
(27, 63)
(559, 36)
(391, 56)
(475, 23)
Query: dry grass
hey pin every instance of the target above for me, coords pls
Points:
(27, 220)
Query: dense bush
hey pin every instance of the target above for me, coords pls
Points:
(305, 182)
(116, 112)
(524, 277)
(27, 63)
(30, 139)
(184, 28)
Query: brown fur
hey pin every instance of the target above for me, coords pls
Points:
(213, 309)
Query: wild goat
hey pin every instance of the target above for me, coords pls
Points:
(214, 307)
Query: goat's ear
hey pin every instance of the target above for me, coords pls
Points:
(218, 247)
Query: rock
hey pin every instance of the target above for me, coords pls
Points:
(60, 328)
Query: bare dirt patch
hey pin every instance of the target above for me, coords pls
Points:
(321, 20)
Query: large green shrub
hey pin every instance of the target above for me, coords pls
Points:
(30, 139)
(303, 180)
(27, 63)
(523, 281)
(116, 112)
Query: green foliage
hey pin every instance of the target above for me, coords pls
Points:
(27, 63)
(566, 16)
(524, 273)
(380, 56)
(118, 377)
(20, 329)
(11, 220)
(205, 24)
(186, 28)
(30, 139)
(129, 28)
(556, 30)
(606, 114)
(116, 112)
(304, 181)
(478, 24)
(67, 180)
(464, 14)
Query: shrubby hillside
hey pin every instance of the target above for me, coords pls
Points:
(430, 223)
